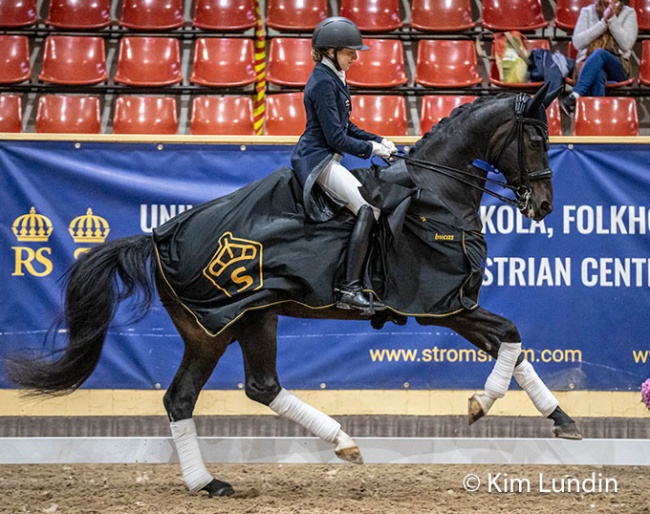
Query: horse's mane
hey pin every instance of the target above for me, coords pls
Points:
(458, 115)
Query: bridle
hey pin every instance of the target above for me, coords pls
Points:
(521, 188)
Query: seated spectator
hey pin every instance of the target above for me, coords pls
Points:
(604, 36)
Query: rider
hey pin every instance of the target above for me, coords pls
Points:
(328, 135)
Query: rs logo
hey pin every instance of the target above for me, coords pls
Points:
(35, 262)
(236, 266)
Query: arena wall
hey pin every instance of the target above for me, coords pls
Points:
(600, 313)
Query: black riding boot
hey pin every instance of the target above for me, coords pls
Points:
(351, 293)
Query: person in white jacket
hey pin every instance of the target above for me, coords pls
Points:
(604, 36)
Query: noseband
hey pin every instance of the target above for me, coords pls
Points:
(521, 189)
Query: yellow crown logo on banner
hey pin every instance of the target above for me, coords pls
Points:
(32, 227)
(89, 228)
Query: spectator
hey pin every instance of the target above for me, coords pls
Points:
(604, 36)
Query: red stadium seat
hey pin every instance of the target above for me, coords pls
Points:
(554, 118)
(79, 14)
(642, 8)
(224, 15)
(65, 114)
(11, 117)
(522, 15)
(644, 67)
(223, 62)
(442, 15)
(606, 116)
(295, 15)
(74, 60)
(494, 71)
(572, 52)
(384, 115)
(14, 59)
(372, 15)
(145, 115)
(148, 61)
(289, 61)
(222, 115)
(151, 14)
(567, 12)
(447, 63)
(380, 66)
(18, 13)
(436, 107)
(285, 115)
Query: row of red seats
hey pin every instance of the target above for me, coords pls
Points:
(214, 115)
(230, 62)
(239, 15)
(233, 115)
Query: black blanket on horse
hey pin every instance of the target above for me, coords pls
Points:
(257, 246)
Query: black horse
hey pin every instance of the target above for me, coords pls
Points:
(446, 171)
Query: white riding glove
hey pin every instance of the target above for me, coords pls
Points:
(390, 145)
(380, 150)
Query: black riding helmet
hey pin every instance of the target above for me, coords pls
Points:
(337, 32)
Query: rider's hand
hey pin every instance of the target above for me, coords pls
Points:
(390, 145)
(380, 150)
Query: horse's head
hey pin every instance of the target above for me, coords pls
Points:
(519, 150)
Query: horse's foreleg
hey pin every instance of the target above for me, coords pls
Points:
(544, 401)
(488, 331)
(258, 340)
(498, 337)
(201, 355)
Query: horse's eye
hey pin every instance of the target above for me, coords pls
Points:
(536, 142)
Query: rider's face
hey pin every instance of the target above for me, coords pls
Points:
(346, 57)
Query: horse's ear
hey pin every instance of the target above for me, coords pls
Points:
(548, 99)
(537, 102)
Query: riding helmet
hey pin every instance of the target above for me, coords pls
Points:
(337, 32)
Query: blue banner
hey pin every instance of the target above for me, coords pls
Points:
(576, 284)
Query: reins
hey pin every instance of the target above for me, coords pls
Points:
(522, 190)
(454, 173)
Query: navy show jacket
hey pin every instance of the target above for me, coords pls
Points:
(328, 130)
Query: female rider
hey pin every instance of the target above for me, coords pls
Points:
(328, 135)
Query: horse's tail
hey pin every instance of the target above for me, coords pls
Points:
(92, 294)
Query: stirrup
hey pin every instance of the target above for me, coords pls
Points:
(356, 299)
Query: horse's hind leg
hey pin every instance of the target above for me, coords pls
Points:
(202, 352)
(495, 334)
(257, 336)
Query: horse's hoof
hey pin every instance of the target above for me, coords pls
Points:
(474, 410)
(218, 488)
(567, 431)
(351, 454)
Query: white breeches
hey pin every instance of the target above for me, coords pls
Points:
(337, 180)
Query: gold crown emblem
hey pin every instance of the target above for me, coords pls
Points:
(89, 228)
(32, 227)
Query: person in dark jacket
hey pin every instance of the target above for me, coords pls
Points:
(328, 135)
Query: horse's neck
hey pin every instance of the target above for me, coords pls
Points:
(457, 146)
(463, 199)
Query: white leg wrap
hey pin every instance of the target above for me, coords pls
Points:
(498, 382)
(343, 441)
(540, 395)
(318, 423)
(195, 474)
